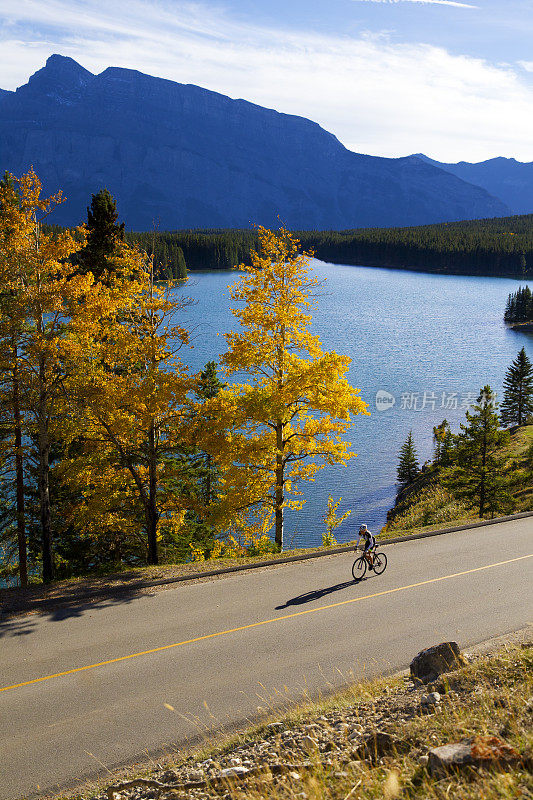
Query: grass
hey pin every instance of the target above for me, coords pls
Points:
(489, 697)
(430, 506)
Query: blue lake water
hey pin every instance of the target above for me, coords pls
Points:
(430, 341)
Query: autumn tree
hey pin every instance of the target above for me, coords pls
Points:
(41, 296)
(129, 400)
(288, 420)
(517, 405)
(11, 324)
(332, 521)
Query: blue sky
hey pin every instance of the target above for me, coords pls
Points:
(449, 78)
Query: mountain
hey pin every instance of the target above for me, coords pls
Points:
(183, 156)
(506, 178)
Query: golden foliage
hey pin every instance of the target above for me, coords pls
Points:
(289, 420)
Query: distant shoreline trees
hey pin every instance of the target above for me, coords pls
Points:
(519, 307)
(497, 247)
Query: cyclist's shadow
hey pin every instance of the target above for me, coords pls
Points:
(308, 597)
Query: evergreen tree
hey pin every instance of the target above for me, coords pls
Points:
(408, 466)
(478, 461)
(517, 404)
(519, 307)
(103, 235)
(443, 442)
(208, 387)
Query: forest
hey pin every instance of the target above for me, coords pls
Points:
(491, 247)
(113, 453)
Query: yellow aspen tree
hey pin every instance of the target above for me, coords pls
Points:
(289, 420)
(11, 326)
(37, 274)
(129, 400)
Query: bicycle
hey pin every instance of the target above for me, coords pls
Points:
(360, 565)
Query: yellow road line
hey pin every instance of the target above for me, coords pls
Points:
(264, 622)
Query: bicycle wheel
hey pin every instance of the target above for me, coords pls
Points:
(359, 568)
(380, 563)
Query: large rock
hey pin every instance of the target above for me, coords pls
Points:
(480, 751)
(432, 662)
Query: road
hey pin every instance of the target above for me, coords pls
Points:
(223, 651)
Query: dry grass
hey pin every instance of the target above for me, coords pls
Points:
(489, 697)
(432, 506)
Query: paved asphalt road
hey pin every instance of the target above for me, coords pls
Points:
(300, 627)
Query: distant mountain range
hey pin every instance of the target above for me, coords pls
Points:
(182, 156)
(506, 178)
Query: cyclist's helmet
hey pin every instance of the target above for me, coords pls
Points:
(363, 529)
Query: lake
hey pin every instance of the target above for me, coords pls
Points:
(427, 342)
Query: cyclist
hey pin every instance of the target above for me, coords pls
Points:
(370, 542)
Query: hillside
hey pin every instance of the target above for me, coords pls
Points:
(180, 156)
(427, 502)
(506, 178)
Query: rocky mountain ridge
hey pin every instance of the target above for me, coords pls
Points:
(506, 178)
(179, 156)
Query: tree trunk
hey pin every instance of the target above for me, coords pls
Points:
(44, 490)
(208, 482)
(19, 475)
(279, 485)
(152, 515)
(483, 477)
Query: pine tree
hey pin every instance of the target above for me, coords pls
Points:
(408, 466)
(517, 403)
(477, 469)
(208, 388)
(443, 442)
(104, 235)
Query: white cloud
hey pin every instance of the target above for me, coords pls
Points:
(375, 95)
(527, 65)
(423, 2)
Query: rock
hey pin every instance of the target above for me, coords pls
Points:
(357, 731)
(194, 776)
(423, 760)
(377, 744)
(480, 751)
(276, 727)
(430, 701)
(432, 662)
(233, 772)
(169, 776)
(342, 728)
(308, 744)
